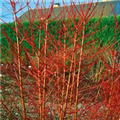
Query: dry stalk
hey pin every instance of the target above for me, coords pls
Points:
(79, 70)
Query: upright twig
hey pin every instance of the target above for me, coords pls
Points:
(19, 61)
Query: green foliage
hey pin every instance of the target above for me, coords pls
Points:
(104, 35)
